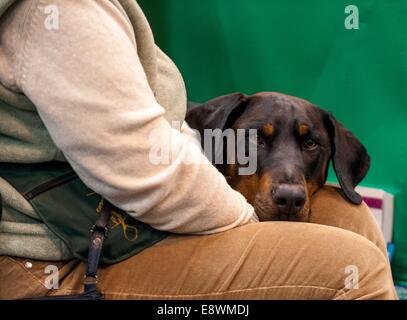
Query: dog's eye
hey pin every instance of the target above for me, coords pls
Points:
(258, 140)
(309, 144)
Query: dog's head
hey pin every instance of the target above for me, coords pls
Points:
(295, 142)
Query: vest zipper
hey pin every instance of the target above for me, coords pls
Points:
(53, 183)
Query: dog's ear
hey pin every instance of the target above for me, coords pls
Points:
(218, 113)
(349, 157)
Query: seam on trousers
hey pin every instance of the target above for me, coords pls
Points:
(369, 296)
(239, 262)
(69, 291)
(18, 263)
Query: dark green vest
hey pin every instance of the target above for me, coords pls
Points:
(69, 209)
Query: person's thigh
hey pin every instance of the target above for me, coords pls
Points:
(25, 278)
(328, 207)
(272, 260)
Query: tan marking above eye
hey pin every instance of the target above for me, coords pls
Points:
(267, 130)
(303, 130)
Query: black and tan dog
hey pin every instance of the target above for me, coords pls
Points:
(295, 142)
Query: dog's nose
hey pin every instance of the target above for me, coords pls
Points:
(289, 199)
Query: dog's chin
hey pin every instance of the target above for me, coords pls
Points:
(267, 211)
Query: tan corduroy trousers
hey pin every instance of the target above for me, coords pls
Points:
(339, 255)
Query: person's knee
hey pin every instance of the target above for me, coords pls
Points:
(367, 273)
(328, 207)
(330, 199)
(321, 262)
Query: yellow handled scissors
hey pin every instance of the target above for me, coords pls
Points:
(130, 232)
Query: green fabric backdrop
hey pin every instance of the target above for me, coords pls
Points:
(302, 48)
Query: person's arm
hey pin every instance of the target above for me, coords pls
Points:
(92, 94)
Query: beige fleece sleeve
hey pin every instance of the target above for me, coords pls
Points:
(92, 94)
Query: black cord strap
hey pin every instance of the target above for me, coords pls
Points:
(99, 232)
